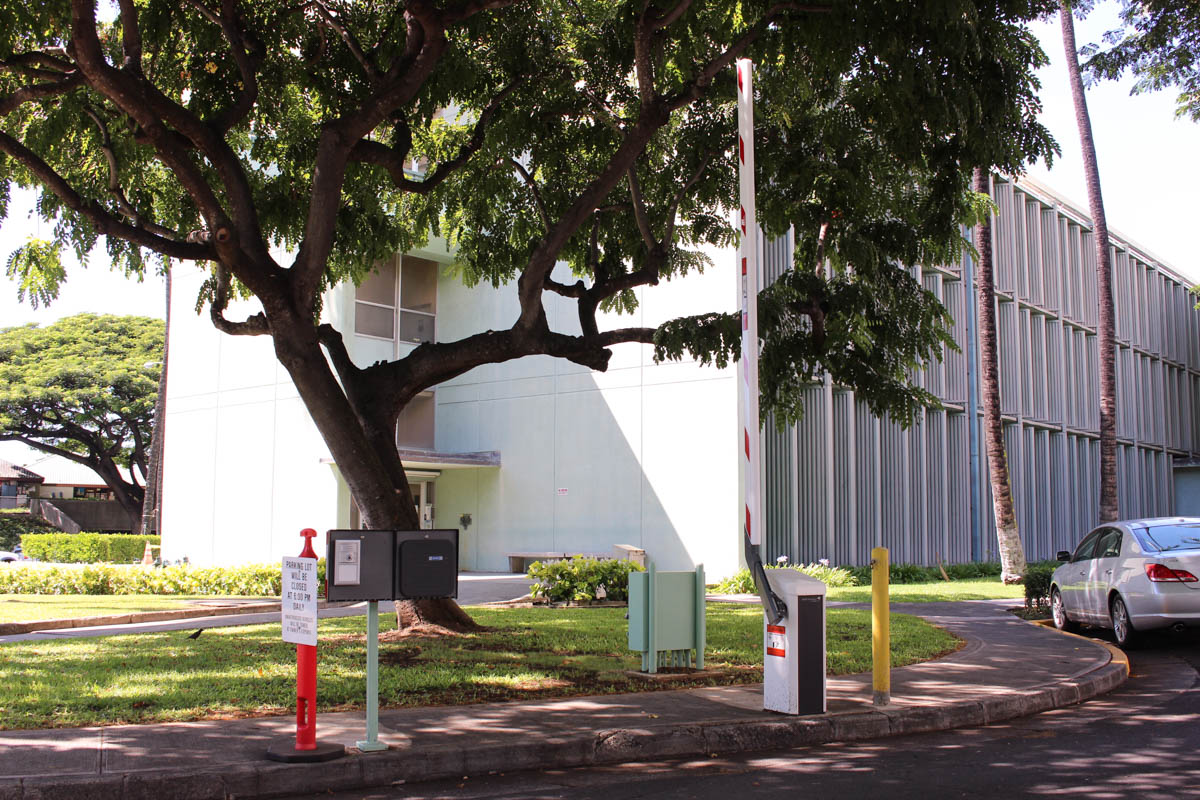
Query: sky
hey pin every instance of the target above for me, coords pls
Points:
(1148, 167)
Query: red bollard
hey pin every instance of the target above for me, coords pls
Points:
(306, 675)
(306, 748)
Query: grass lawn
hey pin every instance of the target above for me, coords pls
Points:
(534, 652)
(31, 607)
(964, 589)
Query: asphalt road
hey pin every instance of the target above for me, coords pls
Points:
(1141, 741)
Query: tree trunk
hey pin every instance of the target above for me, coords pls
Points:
(1106, 323)
(1008, 538)
(363, 445)
(153, 498)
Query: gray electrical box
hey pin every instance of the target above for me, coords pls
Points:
(391, 565)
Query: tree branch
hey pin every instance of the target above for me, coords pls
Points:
(153, 111)
(254, 325)
(114, 182)
(38, 91)
(533, 188)
(369, 151)
(639, 209)
(103, 221)
(356, 50)
(661, 21)
(131, 37)
(248, 53)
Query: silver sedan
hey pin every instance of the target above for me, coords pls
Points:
(1131, 576)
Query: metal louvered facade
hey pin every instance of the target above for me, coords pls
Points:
(844, 481)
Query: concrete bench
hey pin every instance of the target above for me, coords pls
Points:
(519, 562)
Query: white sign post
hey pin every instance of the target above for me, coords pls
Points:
(299, 602)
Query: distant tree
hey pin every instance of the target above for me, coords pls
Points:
(1106, 338)
(291, 145)
(1008, 537)
(82, 389)
(1160, 45)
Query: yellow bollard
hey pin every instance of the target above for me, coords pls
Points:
(881, 629)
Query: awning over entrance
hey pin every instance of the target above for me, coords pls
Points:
(433, 460)
(426, 464)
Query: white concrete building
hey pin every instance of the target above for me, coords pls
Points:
(529, 456)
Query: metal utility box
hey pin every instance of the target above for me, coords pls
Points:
(391, 565)
(666, 618)
(426, 564)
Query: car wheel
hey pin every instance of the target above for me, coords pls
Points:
(1059, 612)
(1123, 630)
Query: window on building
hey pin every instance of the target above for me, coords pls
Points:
(414, 428)
(418, 299)
(375, 303)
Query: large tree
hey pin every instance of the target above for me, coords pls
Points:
(598, 133)
(1106, 317)
(1159, 44)
(84, 388)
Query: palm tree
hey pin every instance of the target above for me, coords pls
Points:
(1105, 329)
(1008, 538)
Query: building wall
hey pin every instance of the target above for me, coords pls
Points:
(909, 489)
(641, 454)
(244, 468)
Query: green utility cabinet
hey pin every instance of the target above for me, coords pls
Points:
(666, 618)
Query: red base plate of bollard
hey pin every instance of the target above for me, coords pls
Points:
(285, 750)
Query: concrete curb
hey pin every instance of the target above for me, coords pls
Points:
(400, 765)
(198, 612)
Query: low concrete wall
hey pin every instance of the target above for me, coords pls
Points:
(74, 516)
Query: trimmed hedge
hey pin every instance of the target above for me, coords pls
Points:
(741, 582)
(257, 580)
(15, 523)
(86, 548)
(577, 579)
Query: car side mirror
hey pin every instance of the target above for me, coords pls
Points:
(1064, 555)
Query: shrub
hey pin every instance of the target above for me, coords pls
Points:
(1037, 584)
(914, 573)
(14, 523)
(260, 580)
(742, 582)
(86, 548)
(577, 579)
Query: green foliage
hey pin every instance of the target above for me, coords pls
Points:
(259, 580)
(868, 124)
(742, 582)
(15, 523)
(82, 385)
(914, 573)
(86, 548)
(37, 270)
(1159, 42)
(1037, 584)
(577, 579)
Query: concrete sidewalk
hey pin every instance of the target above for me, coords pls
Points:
(1008, 668)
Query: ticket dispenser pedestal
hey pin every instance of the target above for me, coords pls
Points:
(794, 649)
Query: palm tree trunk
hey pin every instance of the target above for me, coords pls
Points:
(1008, 538)
(1105, 329)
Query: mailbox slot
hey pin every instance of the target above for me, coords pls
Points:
(391, 565)
(427, 564)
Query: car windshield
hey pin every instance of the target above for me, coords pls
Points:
(1171, 537)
